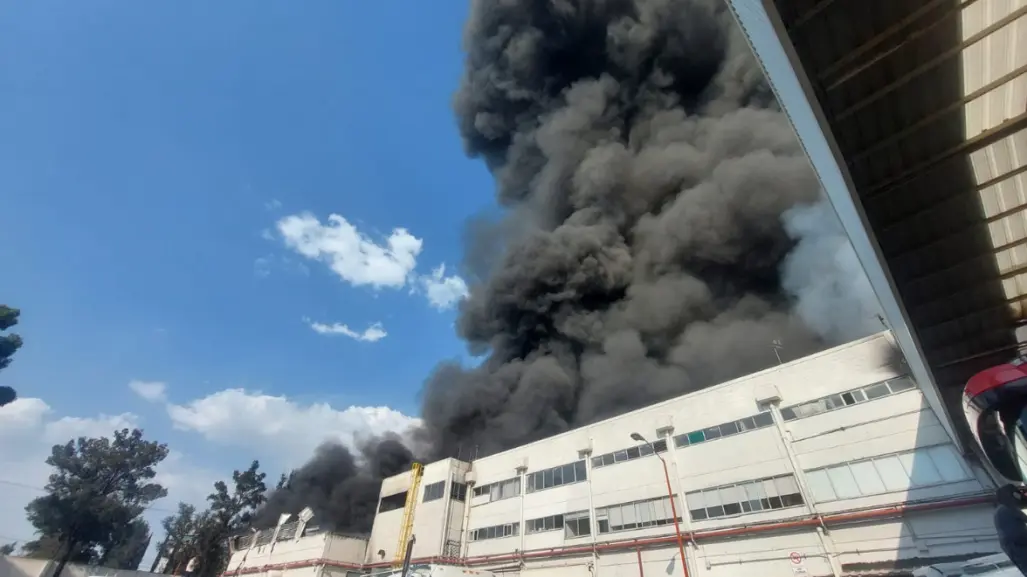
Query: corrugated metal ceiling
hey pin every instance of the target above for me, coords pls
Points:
(928, 104)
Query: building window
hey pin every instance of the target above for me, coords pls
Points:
(393, 502)
(499, 490)
(888, 474)
(848, 398)
(576, 525)
(573, 524)
(635, 515)
(643, 450)
(458, 491)
(757, 421)
(557, 476)
(434, 491)
(495, 532)
(744, 498)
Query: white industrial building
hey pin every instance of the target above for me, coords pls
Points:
(833, 464)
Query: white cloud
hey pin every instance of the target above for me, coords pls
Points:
(352, 255)
(371, 334)
(149, 390)
(280, 427)
(443, 291)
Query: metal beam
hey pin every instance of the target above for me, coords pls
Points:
(766, 34)
(951, 52)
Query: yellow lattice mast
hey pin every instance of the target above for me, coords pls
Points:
(416, 471)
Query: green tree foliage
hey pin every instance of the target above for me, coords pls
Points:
(9, 344)
(8, 549)
(179, 533)
(205, 535)
(97, 491)
(127, 545)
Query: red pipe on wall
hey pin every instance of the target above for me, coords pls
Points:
(637, 544)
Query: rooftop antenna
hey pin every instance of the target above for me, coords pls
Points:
(777, 346)
(884, 323)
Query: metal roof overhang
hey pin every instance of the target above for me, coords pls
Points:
(914, 115)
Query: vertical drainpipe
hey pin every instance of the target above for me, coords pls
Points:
(686, 519)
(447, 510)
(593, 527)
(521, 470)
(465, 531)
(826, 543)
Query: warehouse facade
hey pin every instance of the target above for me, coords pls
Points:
(827, 465)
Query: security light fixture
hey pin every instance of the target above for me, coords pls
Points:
(637, 437)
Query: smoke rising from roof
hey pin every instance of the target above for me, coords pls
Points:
(646, 175)
(658, 233)
(341, 489)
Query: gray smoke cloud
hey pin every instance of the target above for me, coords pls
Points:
(652, 239)
(340, 487)
(832, 292)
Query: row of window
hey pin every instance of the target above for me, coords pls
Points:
(848, 398)
(557, 476)
(887, 474)
(643, 450)
(500, 489)
(573, 524)
(757, 421)
(575, 472)
(744, 498)
(635, 515)
(496, 532)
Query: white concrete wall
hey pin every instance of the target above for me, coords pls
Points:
(844, 437)
(430, 519)
(274, 553)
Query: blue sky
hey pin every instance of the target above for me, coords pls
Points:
(150, 151)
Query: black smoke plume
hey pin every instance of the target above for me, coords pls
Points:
(661, 230)
(645, 173)
(340, 489)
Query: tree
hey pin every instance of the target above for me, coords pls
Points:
(127, 545)
(98, 488)
(8, 549)
(179, 531)
(229, 513)
(9, 344)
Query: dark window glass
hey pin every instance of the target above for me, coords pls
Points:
(729, 429)
(901, 384)
(558, 476)
(746, 424)
(646, 450)
(620, 456)
(788, 414)
(775, 503)
(634, 453)
(714, 512)
(681, 441)
(604, 526)
(568, 473)
(698, 514)
(608, 459)
(848, 399)
(393, 502)
(547, 478)
(712, 433)
(580, 473)
(876, 391)
(792, 500)
(764, 419)
(597, 461)
(732, 508)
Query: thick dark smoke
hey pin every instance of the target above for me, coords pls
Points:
(342, 491)
(645, 171)
(659, 232)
